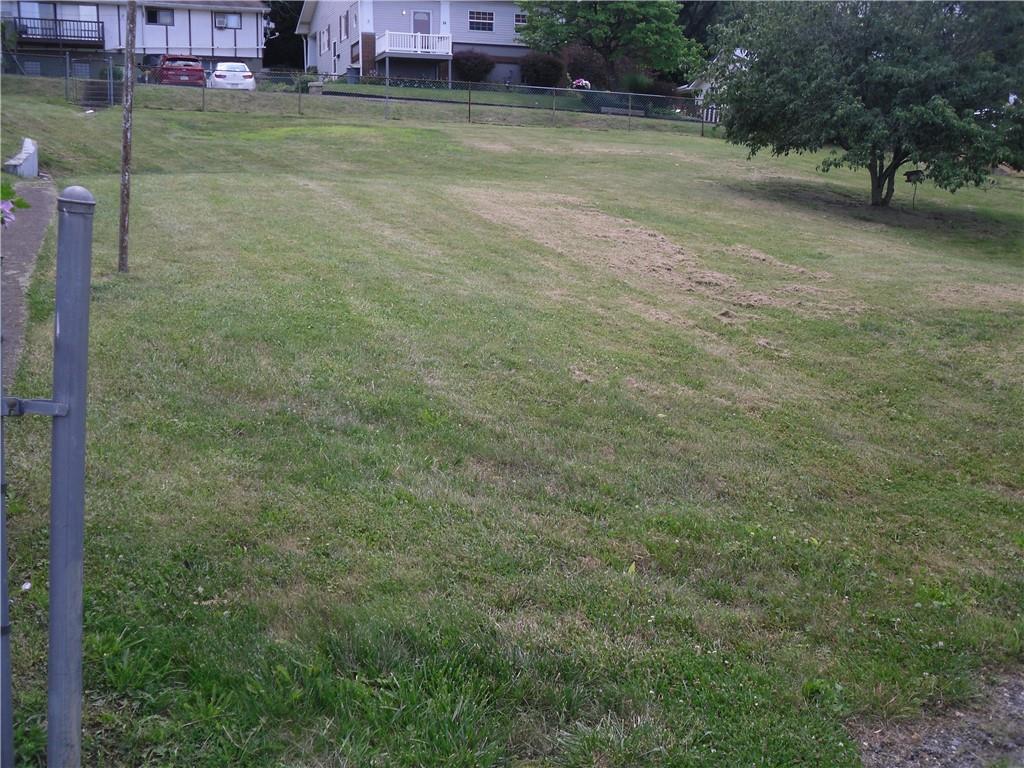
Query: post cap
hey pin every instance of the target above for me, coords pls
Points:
(76, 200)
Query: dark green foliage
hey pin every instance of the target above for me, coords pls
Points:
(543, 69)
(581, 61)
(472, 66)
(645, 34)
(699, 16)
(885, 84)
(636, 82)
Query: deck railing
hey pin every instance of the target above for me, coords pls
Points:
(59, 30)
(413, 42)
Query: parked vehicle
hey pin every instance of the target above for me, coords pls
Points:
(179, 70)
(232, 75)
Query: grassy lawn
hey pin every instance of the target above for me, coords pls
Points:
(488, 93)
(437, 444)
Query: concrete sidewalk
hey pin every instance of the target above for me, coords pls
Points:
(19, 245)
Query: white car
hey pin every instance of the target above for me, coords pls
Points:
(232, 75)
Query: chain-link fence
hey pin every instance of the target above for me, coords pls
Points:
(506, 103)
(97, 82)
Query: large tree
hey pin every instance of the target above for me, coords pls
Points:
(883, 84)
(644, 34)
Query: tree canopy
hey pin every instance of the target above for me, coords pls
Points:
(883, 84)
(641, 35)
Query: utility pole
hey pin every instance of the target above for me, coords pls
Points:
(126, 138)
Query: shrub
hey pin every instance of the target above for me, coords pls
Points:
(587, 63)
(472, 66)
(637, 82)
(543, 69)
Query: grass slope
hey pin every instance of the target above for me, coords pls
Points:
(463, 445)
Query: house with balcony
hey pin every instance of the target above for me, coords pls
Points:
(84, 33)
(406, 38)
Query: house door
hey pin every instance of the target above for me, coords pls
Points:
(421, 22)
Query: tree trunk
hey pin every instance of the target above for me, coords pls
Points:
(874, 168)
(883, 179)
(126, 139)
(890, 184)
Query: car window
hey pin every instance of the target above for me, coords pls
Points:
(232, 67)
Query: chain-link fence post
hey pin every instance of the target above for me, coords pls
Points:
(298, 87)
(629, 113)
(700, 108)
(67, 488)
(469, 103)
(554, 97)
(67, 76)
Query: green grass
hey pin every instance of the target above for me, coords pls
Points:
(408, 447)
(487, 108)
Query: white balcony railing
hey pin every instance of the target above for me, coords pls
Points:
(413, 42)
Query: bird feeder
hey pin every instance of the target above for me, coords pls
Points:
(914, 177)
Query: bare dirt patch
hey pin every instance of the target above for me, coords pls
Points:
(656, 315)
(990, 731)
(768, 260)
(577, 229)
(984, 295)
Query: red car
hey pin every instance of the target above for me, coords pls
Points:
(179, 70)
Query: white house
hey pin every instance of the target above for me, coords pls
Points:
(410, 38)
(225, 30)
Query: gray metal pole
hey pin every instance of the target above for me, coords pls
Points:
(110, 81)
(6, 700)
(629, 113)
(554, 95)
(67, 76)
(75, 208)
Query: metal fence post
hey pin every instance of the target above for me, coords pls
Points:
(75, 208)
(6, 700)
(469, 103)
(67, 76)
(629, 112)
(299, 85)
(204, 97)
(110, 81)
(554, 96)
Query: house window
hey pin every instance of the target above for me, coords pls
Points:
(481, 21)
(162, 16)
(78, 12)
(520, 19)
(227, 20)
(343, 23)
(355, 53)
(37, 11)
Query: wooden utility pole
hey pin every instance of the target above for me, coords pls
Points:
(126, 138)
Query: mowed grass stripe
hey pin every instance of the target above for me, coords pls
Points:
(377, 475)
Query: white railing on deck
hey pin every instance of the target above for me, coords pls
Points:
(413, 42)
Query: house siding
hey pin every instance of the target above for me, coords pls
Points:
(387, 16)
(193, 32)
(446, 17)
(504, 23)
